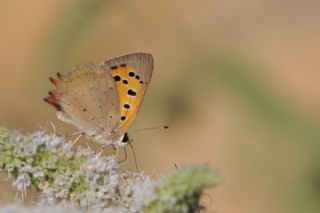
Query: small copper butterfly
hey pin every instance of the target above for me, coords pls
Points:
(102, 100)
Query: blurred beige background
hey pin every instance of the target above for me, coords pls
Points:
(238, 82)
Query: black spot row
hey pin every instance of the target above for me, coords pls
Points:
(132, 74)
(123, 118)
(118, 78)
(125, 81)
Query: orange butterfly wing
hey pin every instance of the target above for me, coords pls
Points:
(132, 74)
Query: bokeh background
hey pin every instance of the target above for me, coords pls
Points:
(238, 82)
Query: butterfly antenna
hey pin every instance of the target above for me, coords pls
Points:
(125, 153)
(134, 156)
(151, 128)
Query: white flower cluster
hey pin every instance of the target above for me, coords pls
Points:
(77, 176)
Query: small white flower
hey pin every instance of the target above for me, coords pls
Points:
(54, 142)
(21, 183)
(67, 147)
(27, 169)
(48, 196)
(39, 138)
(30, 149)
(142, 190)
(10, 167)
(39, 175)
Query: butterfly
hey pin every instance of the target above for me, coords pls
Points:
(102, 100)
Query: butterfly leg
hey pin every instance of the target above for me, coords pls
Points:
(53, 127)
(77, 139)
(125, 154)
(134, 155)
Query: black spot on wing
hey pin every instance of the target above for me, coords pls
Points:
(126, 106)
(131, 92)
(117, 78)
(131, 74)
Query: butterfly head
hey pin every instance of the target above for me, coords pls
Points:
(124, 140)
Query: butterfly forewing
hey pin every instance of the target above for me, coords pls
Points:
(132, 74)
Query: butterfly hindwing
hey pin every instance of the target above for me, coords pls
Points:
(132, 74)
(87, 98)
